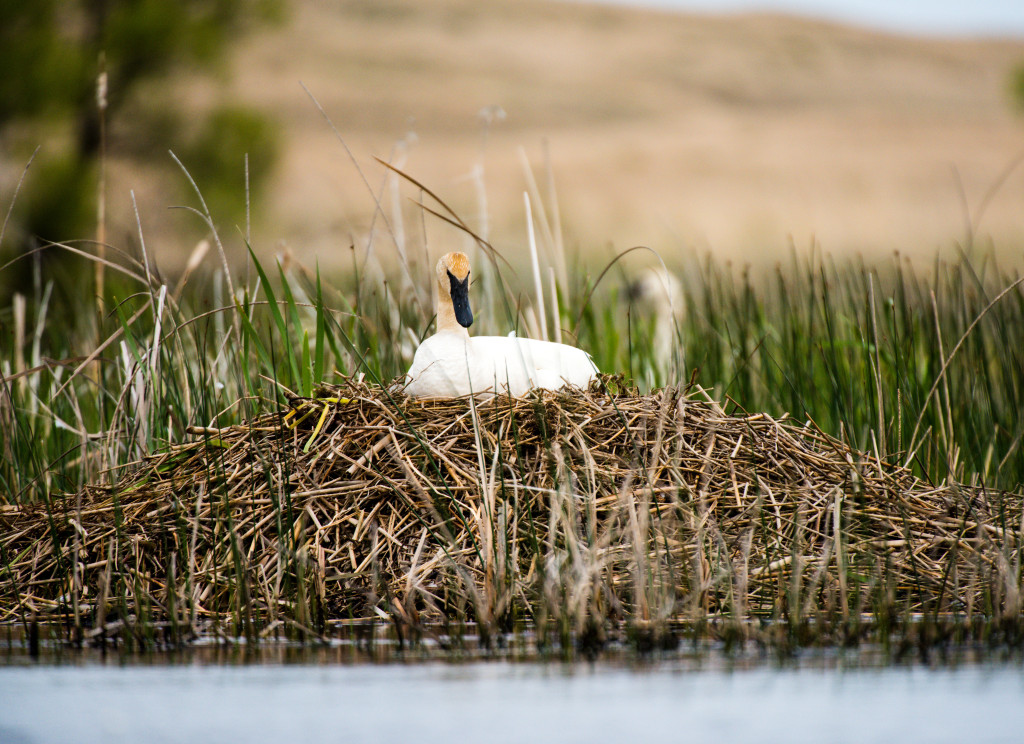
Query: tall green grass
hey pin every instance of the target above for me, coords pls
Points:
(919, 364)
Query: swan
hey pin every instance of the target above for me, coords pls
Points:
(659, 292)
(451, 363)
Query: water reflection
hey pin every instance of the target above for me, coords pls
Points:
(330, 694)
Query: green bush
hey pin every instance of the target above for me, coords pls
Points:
(215, 158)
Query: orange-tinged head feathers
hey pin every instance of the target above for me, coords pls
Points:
(455, 263)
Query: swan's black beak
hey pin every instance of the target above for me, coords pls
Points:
(460, 300)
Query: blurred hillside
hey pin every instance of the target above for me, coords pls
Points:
(687, 133)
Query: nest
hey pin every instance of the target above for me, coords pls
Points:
(589, 504)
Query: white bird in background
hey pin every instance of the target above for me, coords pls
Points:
(659, 292)
(451, 363)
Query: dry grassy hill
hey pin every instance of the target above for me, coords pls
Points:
(729, 134)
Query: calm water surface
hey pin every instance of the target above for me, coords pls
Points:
(665, 701)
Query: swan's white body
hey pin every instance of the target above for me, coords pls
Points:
(454, 364)
(451, 363)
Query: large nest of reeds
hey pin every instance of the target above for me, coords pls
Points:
(601, 504)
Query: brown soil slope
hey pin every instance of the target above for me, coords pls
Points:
(731, 134)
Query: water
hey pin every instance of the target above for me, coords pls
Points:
(510, 702)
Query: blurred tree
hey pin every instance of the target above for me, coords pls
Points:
(52, 53)
(1017, 86)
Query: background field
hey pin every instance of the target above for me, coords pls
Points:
(732, 134)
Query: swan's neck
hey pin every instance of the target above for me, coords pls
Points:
(446, 322)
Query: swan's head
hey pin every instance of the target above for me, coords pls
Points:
(453, 280)
(658, 291)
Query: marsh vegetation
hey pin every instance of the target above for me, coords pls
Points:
(831, 452)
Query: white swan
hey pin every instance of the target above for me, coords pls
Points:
(659, 292)
(451, 363)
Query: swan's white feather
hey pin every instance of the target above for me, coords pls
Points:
(453, 364)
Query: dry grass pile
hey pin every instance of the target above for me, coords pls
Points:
(575, 506)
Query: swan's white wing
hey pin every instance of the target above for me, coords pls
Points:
(506, 363)
(562, 364)
(526, 363)
(448, 365)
